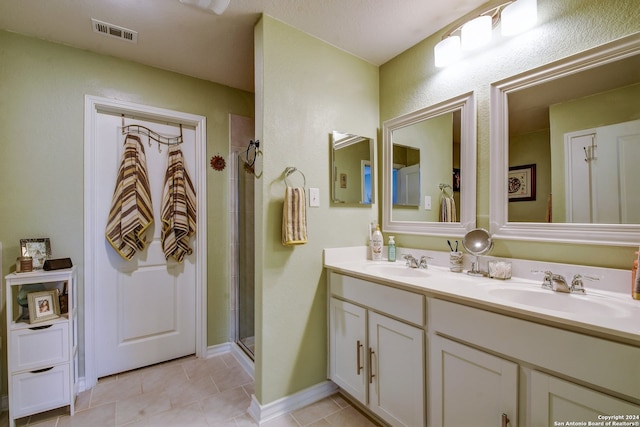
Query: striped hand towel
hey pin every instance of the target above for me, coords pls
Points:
(178, 207)
(131, 211)
(294, 217)
(447, 209)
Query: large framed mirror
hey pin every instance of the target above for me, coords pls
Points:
(565, 146)
(429, 169)
(352, 170)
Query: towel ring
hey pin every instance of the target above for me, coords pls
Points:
(290, 170)
(446, 190)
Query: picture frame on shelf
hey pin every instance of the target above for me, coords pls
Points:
(43, 305)
(522, 183)
(38, 249)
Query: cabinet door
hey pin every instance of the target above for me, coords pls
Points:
(347, 345)
(554, 400)
(469, 387)
(396, 371)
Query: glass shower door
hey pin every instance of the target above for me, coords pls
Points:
(246, 257)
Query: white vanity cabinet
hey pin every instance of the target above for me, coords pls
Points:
(42, 357)
(377, 348)
(491, 364)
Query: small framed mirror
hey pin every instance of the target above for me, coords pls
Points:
(429, 169)
(352, 169)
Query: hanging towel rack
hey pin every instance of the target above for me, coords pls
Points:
(446, 189)
(160, 139)
(290, 170)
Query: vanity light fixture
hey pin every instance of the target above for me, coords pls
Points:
(474, 31)
(216, 6)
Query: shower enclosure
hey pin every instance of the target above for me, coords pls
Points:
(242, 234)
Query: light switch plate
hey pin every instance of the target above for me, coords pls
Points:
(427, 203)
(314, 197)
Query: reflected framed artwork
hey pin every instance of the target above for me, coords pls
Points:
(522, 183)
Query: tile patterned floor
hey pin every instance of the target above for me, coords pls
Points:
(194, 392)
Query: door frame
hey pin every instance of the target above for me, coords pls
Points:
(94, 104)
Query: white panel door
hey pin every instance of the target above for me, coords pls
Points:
(579, 196)
(347, 347)
(555, 401)
(469, 387)
(396, 371)
(145, 307)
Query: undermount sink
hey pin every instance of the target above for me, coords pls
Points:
(539, 298)
(391, 270)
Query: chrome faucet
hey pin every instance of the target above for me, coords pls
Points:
(558, 283)
(555, 282)
(414, 263)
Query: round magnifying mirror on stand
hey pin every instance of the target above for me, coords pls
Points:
(477, 242)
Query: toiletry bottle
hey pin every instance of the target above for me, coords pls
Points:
(376, 244)
(635, 286)
(391, 254)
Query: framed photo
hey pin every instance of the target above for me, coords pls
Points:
(456, 179)
(522, 183)
(43, 305)
(343, 180)
(38, 249)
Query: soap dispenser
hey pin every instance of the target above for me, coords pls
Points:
(391, 249)
(376, 244)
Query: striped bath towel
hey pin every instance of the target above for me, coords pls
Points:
(131, 209)
(178, 207)
(294, 217)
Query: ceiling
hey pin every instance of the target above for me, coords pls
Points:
(219, 48)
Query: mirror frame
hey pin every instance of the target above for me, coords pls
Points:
(500, 227)
(466, 103)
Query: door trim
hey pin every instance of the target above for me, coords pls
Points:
(93, 104)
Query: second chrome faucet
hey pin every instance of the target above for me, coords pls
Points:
(412, 262)
(557, 283)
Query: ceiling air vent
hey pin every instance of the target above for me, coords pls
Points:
(114, 31)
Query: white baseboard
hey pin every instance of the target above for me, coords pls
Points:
(216, 350)
(261, 413)
(243, 359)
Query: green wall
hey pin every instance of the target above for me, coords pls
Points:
(565, 27)
(532, 148)
(42, 88)
(305, 89)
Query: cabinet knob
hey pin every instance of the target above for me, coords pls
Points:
(358, 347)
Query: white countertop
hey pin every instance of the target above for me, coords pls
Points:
(606, 311)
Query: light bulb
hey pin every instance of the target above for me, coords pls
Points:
(476, 33)
(447, 51)
(518, 17)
